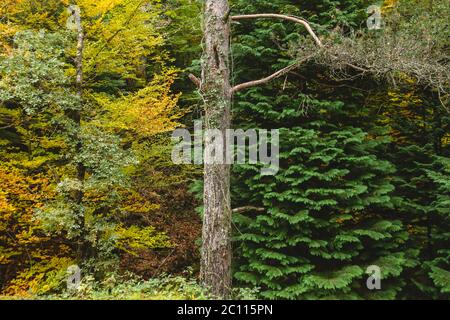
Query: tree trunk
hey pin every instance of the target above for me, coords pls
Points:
(216, 89)
(75, 116)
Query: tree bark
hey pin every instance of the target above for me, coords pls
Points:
(216, 90)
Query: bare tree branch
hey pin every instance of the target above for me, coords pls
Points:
(390, 58)
(195, 80)
(8, 126)
(273, 76)
(248, 208)
(281, 16)
(285, 70)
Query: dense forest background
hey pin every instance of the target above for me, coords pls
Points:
(364, 156)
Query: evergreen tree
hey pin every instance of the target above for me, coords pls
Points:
(329, 211)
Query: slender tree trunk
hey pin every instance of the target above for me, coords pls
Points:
(75, 116)
(216, 89)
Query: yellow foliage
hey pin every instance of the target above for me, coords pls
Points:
(29, 14)
(22, 246)
(134, 203)
(19, 196)
(121, 40)
(5, 206)
(119, 33)
(446, 139)
(41, 278)
(98, 8)
(135, 238)
(388, 5)
(149, 111)
(399, 104)
(7, 30)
